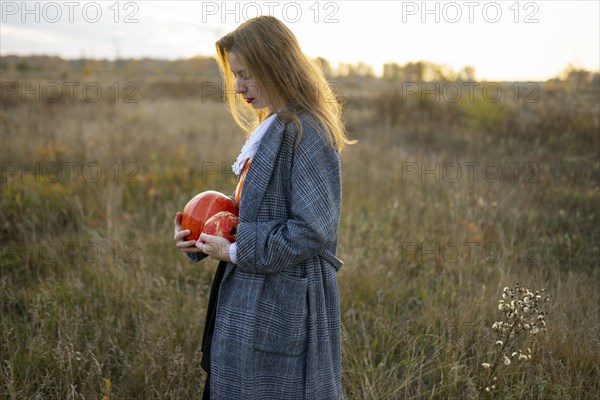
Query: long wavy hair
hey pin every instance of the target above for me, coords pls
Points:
(273, 55)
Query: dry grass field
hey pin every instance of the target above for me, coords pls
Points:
(446, 201)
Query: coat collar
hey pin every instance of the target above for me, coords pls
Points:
(260, 171)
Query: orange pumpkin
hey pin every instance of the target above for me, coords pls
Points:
(222, 224)
(203, 206)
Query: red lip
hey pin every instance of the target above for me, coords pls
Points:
(249, 99)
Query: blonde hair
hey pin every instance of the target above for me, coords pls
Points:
(272, 54)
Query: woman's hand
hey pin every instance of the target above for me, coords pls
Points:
(187, 246)
(215, 246)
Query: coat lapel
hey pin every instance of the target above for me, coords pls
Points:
(260, 171)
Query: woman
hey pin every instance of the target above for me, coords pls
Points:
(273, 321)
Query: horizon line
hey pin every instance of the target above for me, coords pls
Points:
(571, 64)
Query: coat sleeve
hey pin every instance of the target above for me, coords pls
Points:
(315, 200)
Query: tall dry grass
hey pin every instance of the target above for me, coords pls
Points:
(92, 287)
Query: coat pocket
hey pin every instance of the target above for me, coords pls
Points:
(281, 316)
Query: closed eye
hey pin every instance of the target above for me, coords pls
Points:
(241, 74)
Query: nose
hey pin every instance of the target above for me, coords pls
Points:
(239, 86)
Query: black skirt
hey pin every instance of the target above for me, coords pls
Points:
(211, 313)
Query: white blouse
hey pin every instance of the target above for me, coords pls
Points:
(248, 151)
(251, 145)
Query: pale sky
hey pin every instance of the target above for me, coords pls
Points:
(503, 40)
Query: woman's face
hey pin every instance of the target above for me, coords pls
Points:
(253, 91)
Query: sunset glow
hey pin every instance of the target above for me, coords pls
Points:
(504, 40)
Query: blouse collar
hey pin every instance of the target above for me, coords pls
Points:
(251, 145)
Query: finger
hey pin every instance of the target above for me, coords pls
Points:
(177, 221)
(202, 247)
(181, 234)
(184, 244)
(205, 237)
(215, 246)
(191, 250)
(214, 240)
(208, 247)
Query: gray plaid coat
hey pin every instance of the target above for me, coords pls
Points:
(277, 327)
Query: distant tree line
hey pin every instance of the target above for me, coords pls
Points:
(206, 67)
(426, 71)
(195, 66)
